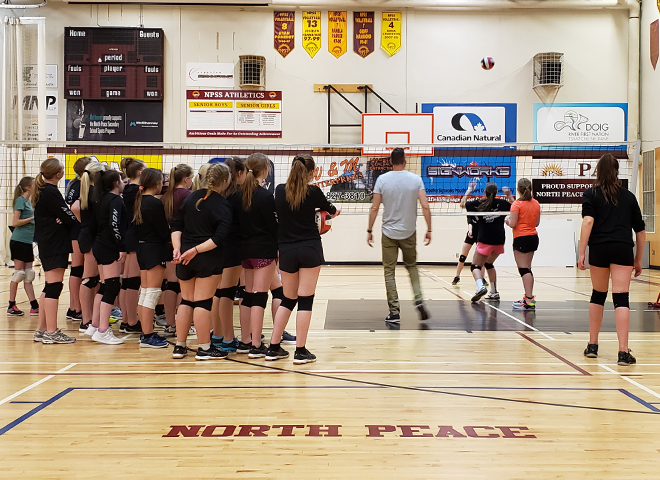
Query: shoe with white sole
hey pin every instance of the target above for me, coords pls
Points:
(493, 296)
(107, 337)
(91, 330)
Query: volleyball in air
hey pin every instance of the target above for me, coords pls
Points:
(487, 63)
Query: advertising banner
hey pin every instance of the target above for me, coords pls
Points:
(580, 122)
(390, 32)
(337, 33)
(363, 33)
(311, 35)
(216, 75)
(284, 35)
(233, 113)
(562, 191)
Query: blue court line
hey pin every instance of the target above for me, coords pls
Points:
(34, 411)
(637, 399)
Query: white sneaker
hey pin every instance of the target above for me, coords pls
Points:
(107, 337)
(192, 331)
(160, 321)
(478, 294)
(91, 330)
(493, 296)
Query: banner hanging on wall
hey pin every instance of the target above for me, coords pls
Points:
(390, 32)
(363, 33)
(337, 33)
(311, 36)
(580, 122)
(284, 36)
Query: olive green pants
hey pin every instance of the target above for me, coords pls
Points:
(391, 249)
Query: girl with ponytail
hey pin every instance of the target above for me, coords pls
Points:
(301, 254)
(490, 235)
(198, 236)
(153, 250)
(524, 218)
(53, 221)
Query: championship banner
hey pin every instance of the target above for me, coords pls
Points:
(337, 33)
(390, 32)
(363, 33)
(284, 35)
(311, 32)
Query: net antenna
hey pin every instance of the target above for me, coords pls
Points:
(548, 75)
(382, 132)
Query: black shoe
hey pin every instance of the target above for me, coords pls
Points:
(70, 314)
(77, 316)
(258, 352)
(304, 356)
(456, 280)
(422, 311)
(485, 283)
(179, 351)
(126, 328)
(625, 359)
(83, 326)
(243, 347)
(212, 353)
(591, 351)
(393, 318)
(276, 352)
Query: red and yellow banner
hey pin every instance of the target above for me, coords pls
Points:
(390, 32)
(337, 33)
(311, 32)
(363, 33)
(284, 34)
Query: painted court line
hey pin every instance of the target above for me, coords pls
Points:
(556, 355)
(35, 384)
(638, 385)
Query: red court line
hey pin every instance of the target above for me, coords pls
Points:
(325, 372)
(556, 355)
(648, 282)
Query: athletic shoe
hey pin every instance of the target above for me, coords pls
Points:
(57, 337)
(192, 331)
(229, 346)
(288, 339)
(116, 313)
(393, 318)
(83, 327)
(154, 341)
(422, 311)
(77, 316)
(13, 311)
(276, 352)
(243, 347)
(456, 280)
(169, 331)
(485, 282)
(217, 341)
(126, 328)
(625, 359)
(34, 312)
(524, 304)
(160, 321)
(179, 351)
(591, 351)
(38, 336)
(478, 294)
(305, 356)
(91, 330)
(258, 352)
(71, 314)
(107, 337)
(493, 296)
(212, 353)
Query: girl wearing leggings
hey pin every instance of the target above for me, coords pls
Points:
(52, 231)
(301, 254)
(197, 238)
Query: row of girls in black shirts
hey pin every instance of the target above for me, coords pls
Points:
(220, 227)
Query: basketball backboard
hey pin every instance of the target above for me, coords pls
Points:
(382, 132)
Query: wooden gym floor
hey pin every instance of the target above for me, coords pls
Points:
(478, 392)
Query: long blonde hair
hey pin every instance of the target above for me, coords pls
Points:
(525, 189)
(177, 175)
(297, 184)
(256, 164)
(50, 168)
(199, 182)
(88, 178)
(216, 175)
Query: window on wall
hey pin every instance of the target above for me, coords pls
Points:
(648, 190)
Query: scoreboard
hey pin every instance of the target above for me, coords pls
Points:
(113, 63)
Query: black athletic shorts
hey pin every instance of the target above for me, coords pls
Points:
(85, 241)
(617, 253)
(131, 241)
(204, 265)
(470, 239)
(75, 232)
(526, 243)
(297, 255)
(151, 255)
(55, 261)
(21, 251)
(231, 256)
(105, 255)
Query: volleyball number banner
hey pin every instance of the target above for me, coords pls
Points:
(337, 33)
(284, 36)
(363, 33)
(390, 32)
(311, 32)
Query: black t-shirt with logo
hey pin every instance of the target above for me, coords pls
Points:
(490, 228)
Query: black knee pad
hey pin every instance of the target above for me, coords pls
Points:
(124, 283)
(259, 299)
(112, 288)
(91, 282)
(598, 297)
(489, 266)
(77, 271)
(289, 303)
(474, 267)
(133, 283)
(247, 299)
(174, 287)
(621, 299)
(205, 304)
(525, 271)
(228, 292)
(240, 291)
(187, 303)
(462, 258)
(101, 288)
(277, 293)
(53, 290)
(305, 303)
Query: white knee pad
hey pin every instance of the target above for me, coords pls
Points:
(152, 294)
(143, 295)
(29, 275)
(18, 276)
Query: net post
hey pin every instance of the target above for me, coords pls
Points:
(635, 167)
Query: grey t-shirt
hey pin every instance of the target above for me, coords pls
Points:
(400, 191)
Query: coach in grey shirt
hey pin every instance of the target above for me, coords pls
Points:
(399, 191)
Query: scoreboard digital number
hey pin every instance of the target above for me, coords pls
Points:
(113, 63)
